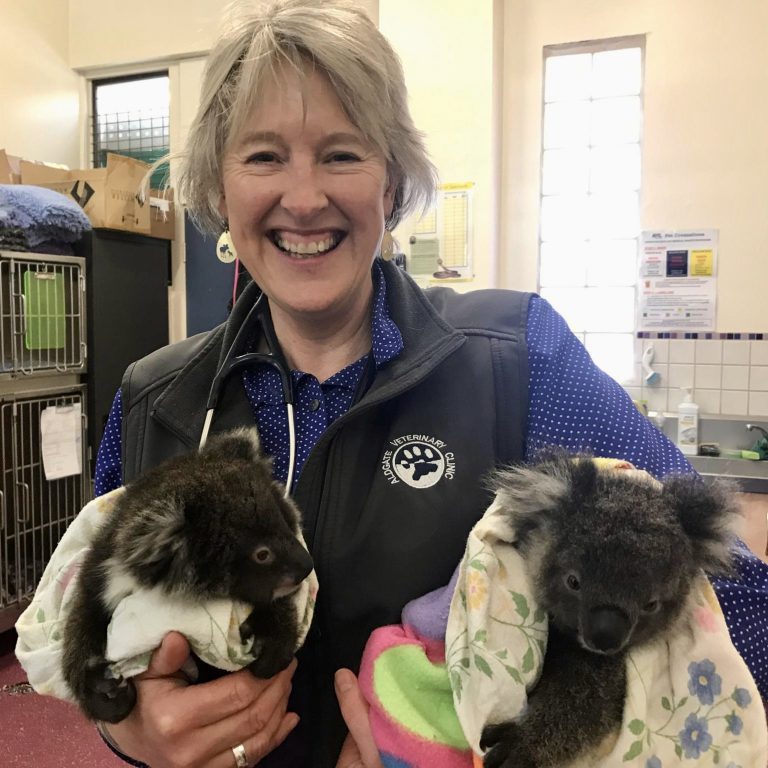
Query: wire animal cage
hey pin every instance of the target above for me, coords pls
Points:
(42, 314)
(34, 511)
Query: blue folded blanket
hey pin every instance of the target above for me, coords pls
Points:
(41, 213)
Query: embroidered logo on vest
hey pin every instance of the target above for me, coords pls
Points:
(418, 460)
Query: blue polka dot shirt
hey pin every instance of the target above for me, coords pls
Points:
(572, 403)
(317, 405)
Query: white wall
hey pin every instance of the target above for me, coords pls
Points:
(40, 92)
(705, 134)
(106, 33)
(447, 52)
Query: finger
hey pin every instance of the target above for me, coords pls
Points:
(274, 733)
(208, 704)
(243, 694)
(354, 709)
(349, 756)
(199, 735)
(169, 658)
(288, 722)
(258, 746)
(236, 706)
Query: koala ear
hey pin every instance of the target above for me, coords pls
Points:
(583, 477)
(707, 514)
(241, 444)
(530, 494)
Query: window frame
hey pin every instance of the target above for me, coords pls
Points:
(93, 84)
(592, 47)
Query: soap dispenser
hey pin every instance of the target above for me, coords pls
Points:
(688, 424)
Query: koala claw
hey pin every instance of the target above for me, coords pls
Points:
(246, 631)
(493, 734)
(272, 658)
(504, 747)
(107, 698)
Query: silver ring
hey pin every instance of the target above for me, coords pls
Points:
(241, 759)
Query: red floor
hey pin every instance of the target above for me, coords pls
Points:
(41, 732)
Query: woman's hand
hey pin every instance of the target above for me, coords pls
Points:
(359, 750)
(175, 724)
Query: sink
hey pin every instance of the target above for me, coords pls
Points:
(750, 476)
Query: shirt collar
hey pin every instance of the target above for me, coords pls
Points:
(386, 345)
(386, 339)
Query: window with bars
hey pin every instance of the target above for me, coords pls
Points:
(590, 193)
(131, 117)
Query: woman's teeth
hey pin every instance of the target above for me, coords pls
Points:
(307, 248)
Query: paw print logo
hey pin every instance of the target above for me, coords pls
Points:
(419, 465)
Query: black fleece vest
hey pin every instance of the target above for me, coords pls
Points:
(391, 490)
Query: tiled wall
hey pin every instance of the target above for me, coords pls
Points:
(728, 375)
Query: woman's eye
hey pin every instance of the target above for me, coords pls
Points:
(263, 157)
(343, 157)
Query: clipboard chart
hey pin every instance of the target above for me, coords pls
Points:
(441, 241)
(42, 314)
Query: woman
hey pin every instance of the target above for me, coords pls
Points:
(304, 150)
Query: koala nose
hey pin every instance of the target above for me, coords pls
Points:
(607, 629)
(294, 572)
(301, 566)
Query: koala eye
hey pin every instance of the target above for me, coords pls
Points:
(572, 582)
(651, 607)
(263, 556)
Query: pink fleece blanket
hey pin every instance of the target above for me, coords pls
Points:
(404, 678)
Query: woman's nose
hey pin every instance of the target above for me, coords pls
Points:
(303, 196)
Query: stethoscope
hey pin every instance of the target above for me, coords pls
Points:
(258, 315)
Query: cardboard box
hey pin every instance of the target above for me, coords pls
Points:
(162, 214)
(10, 172)
(109, 196)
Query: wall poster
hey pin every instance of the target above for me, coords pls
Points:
(677, 289)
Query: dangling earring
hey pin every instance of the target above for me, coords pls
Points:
(225, 248)
(387, 245)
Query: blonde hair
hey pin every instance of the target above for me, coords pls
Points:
(334, 37)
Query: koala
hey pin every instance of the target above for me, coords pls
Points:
(202, 526)
(613, 558)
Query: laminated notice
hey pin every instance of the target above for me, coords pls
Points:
(61, 441)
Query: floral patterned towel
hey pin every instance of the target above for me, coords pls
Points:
(140, 621)
(690, 700)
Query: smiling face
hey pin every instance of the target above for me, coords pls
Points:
(306, 197)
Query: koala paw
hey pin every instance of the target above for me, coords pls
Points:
(107, 698)
(272, 658)
(247, 631)
(504, 747)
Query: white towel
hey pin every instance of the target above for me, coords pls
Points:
(139, 622)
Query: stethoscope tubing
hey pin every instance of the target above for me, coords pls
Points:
(232, 361)
(291, 449)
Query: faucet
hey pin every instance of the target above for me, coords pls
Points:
(761, 445)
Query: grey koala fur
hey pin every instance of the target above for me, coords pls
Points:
(206, 525)
(613, 559)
